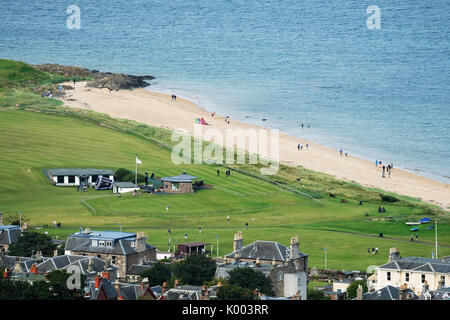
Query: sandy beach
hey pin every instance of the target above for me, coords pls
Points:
(159, 110)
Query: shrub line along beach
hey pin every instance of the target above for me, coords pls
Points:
(160, 110)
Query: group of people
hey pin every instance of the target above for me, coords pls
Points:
(342, 152)
(174, 97)
(227, 173)
(412, 238)
(380, 209)
(385, 168)
(374, 250)
(300, 147)
(56, 224)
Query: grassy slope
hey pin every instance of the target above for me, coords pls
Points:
(31, 141)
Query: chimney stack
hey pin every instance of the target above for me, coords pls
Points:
(33, 269)
(294, 248)
(402, 294)
(144, 284)
(394, 254)
(141, 241)
(238, 241)
(359, 292)
(425, 287)
(441, 284)
(91, 265)
(98, 280)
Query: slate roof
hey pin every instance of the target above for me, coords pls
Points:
(9, 234)
(125, 184)
(10, 261)
(439, 294)
(387, 293)
(180, 178)
(122, 242)
(79, 172)
(137, 269)
(264, 250)
(418, 264)
(63, 262)
(223, 270)
(184, 293)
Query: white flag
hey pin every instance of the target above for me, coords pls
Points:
(138, 161)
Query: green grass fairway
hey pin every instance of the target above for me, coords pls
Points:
(38, 133)
(32, 141)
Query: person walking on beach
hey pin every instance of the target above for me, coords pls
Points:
(298, 146)
(306, 146)
(346, 154)
(376, 163)
(340, 151)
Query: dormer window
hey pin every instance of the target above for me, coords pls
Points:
(101, 243)
(109, 243)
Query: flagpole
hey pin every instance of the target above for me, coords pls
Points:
(135, 179)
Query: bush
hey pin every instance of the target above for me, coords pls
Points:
(195, 270)
(231, 292)
(250, 279)
(157, 274)
(121, 173)
(388, 198)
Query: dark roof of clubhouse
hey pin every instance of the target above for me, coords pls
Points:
(79, 172)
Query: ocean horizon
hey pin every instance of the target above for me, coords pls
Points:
(378, 94)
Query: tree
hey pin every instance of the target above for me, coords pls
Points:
(157, 274)
(232, 292)
(57, 285)
(32, 241)
(250, 279)
(195, 269)
(53, 288)
(15, 219)
(351, 290)
(316, 295)
(121, 173)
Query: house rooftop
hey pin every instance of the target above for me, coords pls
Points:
(79, 172)
(105, 235)
(180, 178)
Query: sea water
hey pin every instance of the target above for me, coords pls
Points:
(381, 94)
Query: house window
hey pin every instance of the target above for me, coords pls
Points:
(95, 243)
(101, 243)
(60, 179)
(71, 179)
(423, 278)
(388, 276)
(407, 277)
(109, 243)
(94, 179)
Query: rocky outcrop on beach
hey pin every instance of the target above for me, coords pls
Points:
(112, 81)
